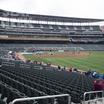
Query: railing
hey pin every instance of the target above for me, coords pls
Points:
(93, 97)
(43, 97)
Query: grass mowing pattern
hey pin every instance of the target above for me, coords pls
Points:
(94, 61)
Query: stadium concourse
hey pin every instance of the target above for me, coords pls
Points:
(32, 83)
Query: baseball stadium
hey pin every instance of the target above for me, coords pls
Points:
(47, 59)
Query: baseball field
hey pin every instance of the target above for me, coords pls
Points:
(83, 60)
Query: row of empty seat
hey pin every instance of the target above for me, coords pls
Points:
(37, 80)
(48, 26)
(31, 31)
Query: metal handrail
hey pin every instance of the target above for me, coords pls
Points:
(92, 92)
(41, 97)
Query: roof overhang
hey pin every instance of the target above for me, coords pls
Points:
(9, 14)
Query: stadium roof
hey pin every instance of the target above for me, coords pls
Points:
(9, 14)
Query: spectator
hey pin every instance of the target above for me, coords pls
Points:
(94, 74)
(64, 68)
(99, 84)
(59, 68)
(70, 70)
(75, 70)
(88, 73)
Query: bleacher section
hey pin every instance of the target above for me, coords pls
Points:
(31, 80)
(47, 32)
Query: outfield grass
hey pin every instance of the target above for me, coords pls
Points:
(94, 61)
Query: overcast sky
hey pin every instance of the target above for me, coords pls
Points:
(70, 8)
